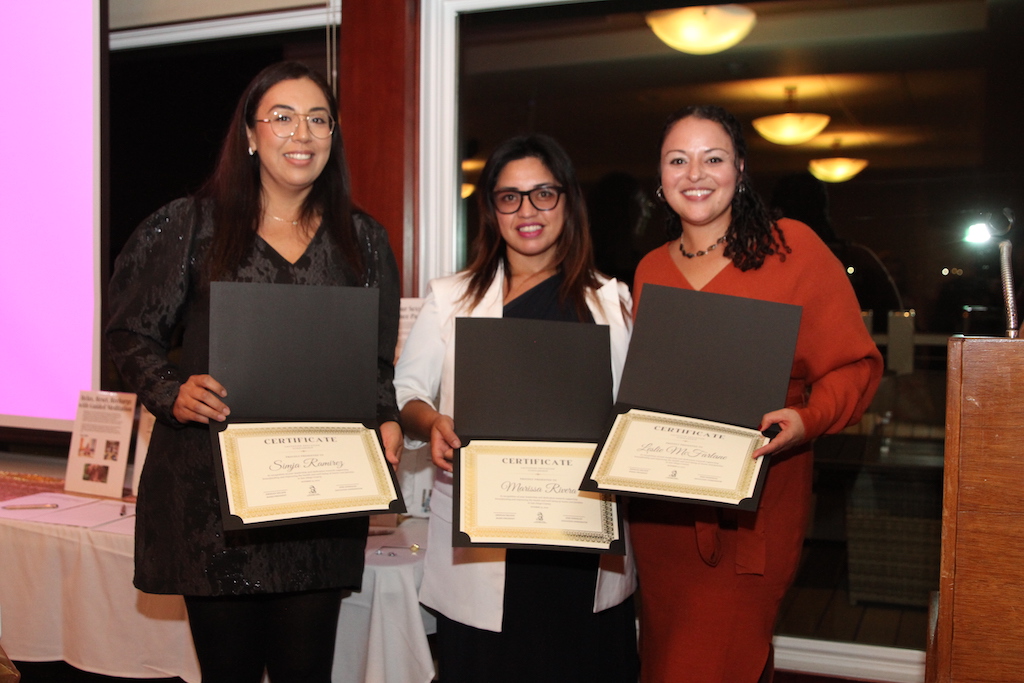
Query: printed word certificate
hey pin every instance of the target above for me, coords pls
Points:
(526, 493)
(668, 456)
(290, 470)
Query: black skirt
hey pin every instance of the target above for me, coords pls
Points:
(550, 632)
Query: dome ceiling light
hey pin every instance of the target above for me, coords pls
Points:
(836, 169)
(470, 173)
(790, 128)
(702, 30)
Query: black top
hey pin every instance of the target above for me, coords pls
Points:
(158, 288)
(542, 303)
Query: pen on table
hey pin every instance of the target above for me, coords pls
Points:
(34, 506)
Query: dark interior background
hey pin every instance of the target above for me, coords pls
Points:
(169, 110)
(926, 91)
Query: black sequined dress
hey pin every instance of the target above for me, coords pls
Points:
(156, 290)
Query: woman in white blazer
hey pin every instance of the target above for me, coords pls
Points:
(536, 615)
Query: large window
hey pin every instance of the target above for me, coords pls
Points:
(923, 90)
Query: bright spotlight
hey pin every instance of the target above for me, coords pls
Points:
(978, 234)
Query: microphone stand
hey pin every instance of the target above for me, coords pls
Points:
(1006, 271)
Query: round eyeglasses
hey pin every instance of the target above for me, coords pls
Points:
(284, 124)
(543, 198)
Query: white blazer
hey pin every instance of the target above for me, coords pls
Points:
(467, 584)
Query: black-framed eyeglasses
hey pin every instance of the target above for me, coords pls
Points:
(284, 124)
(543, 198)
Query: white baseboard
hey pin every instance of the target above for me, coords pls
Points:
(849, 660)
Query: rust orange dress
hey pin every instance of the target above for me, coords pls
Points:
(711, 580)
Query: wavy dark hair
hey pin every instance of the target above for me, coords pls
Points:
(234, 187)
(574, 252)
(754, 232)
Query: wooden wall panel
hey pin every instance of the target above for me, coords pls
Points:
(987, 483)
(378, 92)
(988, 605)
(980, 623)
(992, 432)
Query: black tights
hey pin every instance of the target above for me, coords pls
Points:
(291, 634)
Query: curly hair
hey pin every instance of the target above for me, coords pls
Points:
(574, 252)
(753, 233)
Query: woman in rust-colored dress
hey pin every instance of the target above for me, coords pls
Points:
(712, 579)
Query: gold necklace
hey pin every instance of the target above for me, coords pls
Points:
(295, 222)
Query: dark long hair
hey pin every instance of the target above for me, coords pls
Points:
(234, 188)
(753, 233)
(574, 252)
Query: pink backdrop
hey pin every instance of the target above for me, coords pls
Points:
(48, 210)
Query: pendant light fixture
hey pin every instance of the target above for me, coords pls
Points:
(702, 30)
(791, 128)
(836, 169)
(470, 175)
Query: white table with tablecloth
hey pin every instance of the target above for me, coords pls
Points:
(66, 594)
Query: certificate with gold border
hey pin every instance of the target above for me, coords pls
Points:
(278, 472)
(667, 456)
(515, 494)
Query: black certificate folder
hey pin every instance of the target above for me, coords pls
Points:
(531, 379)
(295, 354)
(529, 391)
(712, 357)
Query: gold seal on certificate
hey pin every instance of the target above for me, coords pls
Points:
(290, 470)
(668, 456)
(526, 493)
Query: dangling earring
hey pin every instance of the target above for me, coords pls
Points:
(251, 151)
(659, 193)
(741, 188)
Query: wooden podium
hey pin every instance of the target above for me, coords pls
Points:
(978, 636)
